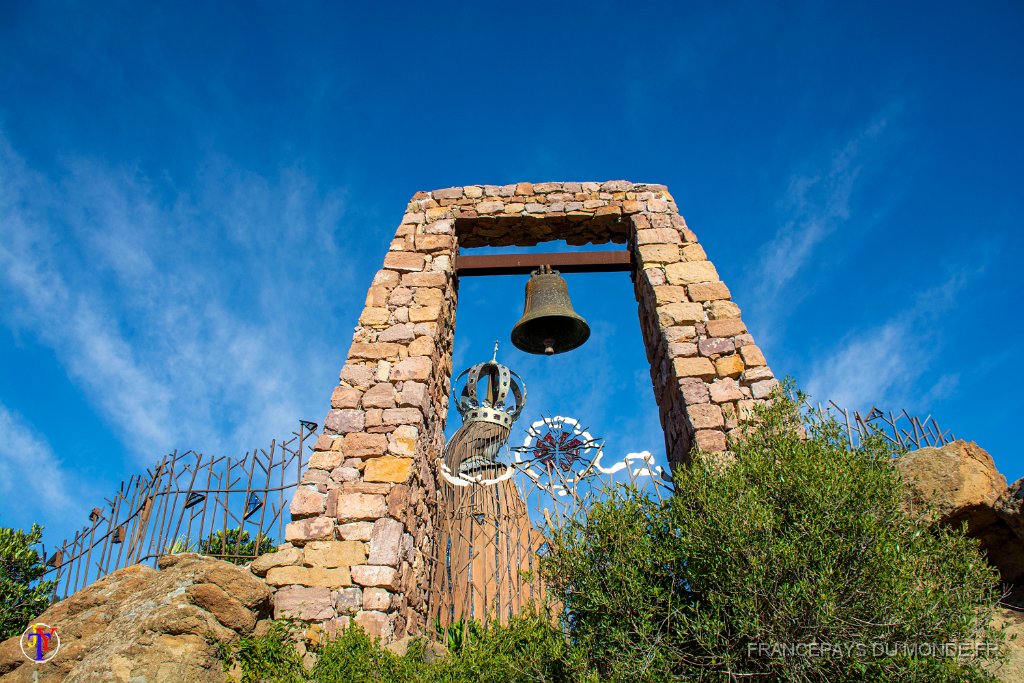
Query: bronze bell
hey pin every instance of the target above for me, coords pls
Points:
(549, 325)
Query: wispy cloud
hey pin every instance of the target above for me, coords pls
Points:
(816, 204)
(29, 469)
(190, 317)
(891, 364)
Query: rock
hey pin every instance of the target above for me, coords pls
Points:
(139, 624)
(959, 479)
(1011, 670)
(1010, 507)
(961, 482)
(282, 558)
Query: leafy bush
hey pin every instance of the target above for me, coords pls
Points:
(236, 541)
(528, 649)
(797, 541)
(20, 568)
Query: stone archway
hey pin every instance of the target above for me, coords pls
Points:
(362, 531)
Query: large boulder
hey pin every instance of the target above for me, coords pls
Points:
(961, 484)
(140, 625)
(959, 479)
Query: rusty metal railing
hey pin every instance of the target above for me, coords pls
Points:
(231, 508)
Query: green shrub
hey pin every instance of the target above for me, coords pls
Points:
(236, 541)
(22, 595)
(527, 650)
(797, 541)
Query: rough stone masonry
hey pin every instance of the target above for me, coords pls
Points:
(360, 543)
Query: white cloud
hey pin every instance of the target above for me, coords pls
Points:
(189, 319)
(29, 469)
(817, 203)
(889, 365)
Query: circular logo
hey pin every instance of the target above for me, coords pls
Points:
(40, 643)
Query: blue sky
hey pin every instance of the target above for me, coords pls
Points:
(194, 197)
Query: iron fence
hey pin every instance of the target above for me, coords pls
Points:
(901, 430)
(231, 508)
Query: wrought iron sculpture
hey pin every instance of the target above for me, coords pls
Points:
(486, 541)
(496, 506)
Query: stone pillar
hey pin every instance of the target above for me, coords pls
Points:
(363, 516)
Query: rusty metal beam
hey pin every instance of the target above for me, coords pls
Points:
(566, 262)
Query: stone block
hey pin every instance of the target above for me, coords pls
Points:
(324, 460)
(349, 600)
(764, 388)
(715, 346)
(428, 279)
(310, 529)
(388, 469)
(680, 314)
(658, 236)
(342, 474)
(334, 553)
(708, 291)
(690, 272)
(752, 356)
(313, 577)
(386, 542)
(363, 445)
(358, 376)
(694, 252)
(413, 394)
(344, 397)
(356, 531)
(402, 333)
(374, 316)
(694, 390)
(282, 558)
(376, 599)
(670, 294)
(724, 390)
(415, 368)
(376, 576)
(751, 375)
(307, 502)
(429, 296)
(722, 310)
(375, 624)
(705, 416)
(726, 328)
(682, 349)
(305, 604)
(418, 314)
(403, 416)
(658, 253)
(490, 207)
(373, 350)
(404, 261)
(345, 420)
(448, 193)
(353, 507)
(694, 367)
(379, 396)
(729, 366)
(422, 346)
(387, 278)
(711, 440)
